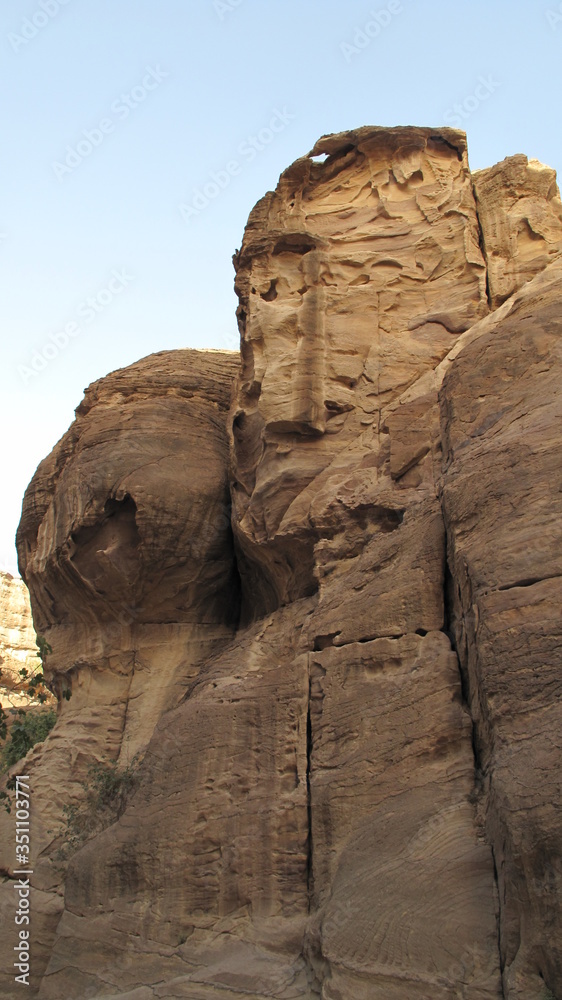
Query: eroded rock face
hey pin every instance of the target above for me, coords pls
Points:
(125, 544)
(201, 888)
(521, 217)
(125, 535)
(125, 501)
(353, 793)
(355, 276)
(501, 410)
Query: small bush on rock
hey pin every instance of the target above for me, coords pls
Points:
(107, 789)
(30, 727)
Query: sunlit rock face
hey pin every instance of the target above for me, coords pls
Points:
(354, 277)
(521, 217)
(18, 648)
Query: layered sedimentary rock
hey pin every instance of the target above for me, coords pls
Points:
(346, 710)
(17, 640)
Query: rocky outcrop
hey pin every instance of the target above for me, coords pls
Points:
(125, 544)
(17, 641)
(520, 213)
(355, 276)
(343, 691)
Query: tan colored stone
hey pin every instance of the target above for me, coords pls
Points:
(520, 213)
(17, 641)
(125, 545)
(354, 277)
(501, 413)
(328, 802)
(390, 814)
(203, 881)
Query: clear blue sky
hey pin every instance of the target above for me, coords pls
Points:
(159, 95)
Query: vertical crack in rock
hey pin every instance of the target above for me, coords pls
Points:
(455, 630)
(128, 701)
(457, 643)
(499, 923)
(482, 245)
(309, 871)
(312, 953)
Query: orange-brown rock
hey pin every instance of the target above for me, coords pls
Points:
(352, 790)
(521, 218)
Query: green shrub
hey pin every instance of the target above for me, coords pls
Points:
(107, 789)
(32, 685)
(30, 727)
(109, 785)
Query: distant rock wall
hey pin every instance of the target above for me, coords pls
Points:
(314, 593)
(17, 640)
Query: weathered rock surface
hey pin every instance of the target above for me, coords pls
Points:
(125, 544)
(521, 218)
(349, 782)
(17, 640)
(355, 276)
(501, 409)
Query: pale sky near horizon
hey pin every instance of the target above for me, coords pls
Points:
(118, 112)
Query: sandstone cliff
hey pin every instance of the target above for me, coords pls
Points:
(17, 640)
(314, 594)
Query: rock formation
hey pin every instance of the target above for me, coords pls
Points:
(501, 410)
(333, 652)
(520, 213)
(126, 542)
